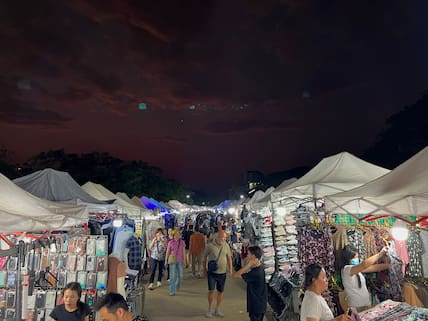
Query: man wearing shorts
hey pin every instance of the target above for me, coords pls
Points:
(218, 250)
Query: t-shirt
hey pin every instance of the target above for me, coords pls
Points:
(197, 243)
(357, 297)
(256, 290)
(211, 252)
(59, 313)
(159, 250)
(176, 247)
(314, 306)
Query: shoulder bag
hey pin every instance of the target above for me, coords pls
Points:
(213, 264)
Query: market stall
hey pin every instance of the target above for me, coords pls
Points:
(299, 224)
(23, 212)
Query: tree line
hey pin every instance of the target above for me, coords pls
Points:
(131, 177)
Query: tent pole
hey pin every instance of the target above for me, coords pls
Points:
(21, 261)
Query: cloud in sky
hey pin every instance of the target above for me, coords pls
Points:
(254, 71)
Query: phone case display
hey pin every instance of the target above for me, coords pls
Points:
(91, 281)
(102, 280)
(3, 275)
(81, 279)
(91, 262)
(50, 265)
(50, 299)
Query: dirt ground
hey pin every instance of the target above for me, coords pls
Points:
(190, 302)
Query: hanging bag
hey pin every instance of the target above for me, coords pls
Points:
(213, 264)
(172, 258)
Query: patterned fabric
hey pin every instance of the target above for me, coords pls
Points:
(134, 256)
(369, 242)
(340, 240)
(395, 277)
(316, 246)
(355, 238)
(424, 239)
(415, 250)
(401, 250)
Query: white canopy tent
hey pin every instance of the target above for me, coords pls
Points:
(101, 193)
(257, 196)
(337, 173)
(403, 191)
(21, 211)
(126, 198)
(267, 197)
(176, 205)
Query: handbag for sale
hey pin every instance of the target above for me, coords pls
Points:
(172, 259)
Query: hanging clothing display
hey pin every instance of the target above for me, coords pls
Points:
(415, 250)
(316, 246)
(424, 240)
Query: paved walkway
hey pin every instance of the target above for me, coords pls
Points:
(190, 303)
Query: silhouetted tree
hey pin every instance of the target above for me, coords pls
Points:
(405, 134)
(6, 167)
(132, 177)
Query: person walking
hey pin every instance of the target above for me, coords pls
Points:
(196, 250)
(217, 251)
(254, 275)
(158, 251)
(187, 233)
(176, 260)
(73, 309)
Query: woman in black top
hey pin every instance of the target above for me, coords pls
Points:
(73, 309)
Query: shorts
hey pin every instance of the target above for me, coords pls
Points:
(216, 281)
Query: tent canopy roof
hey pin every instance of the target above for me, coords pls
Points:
(331, 175)
(151, 203)
(403, 191)
(21, 211)
(100, 192)
(55, 186)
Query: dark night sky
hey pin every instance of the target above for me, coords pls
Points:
(275, 84)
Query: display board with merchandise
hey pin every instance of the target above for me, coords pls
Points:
(50, 263)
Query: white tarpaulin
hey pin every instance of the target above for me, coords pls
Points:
(21, 211)
(101, 193)
(58, 186)
(176, 205)
(126, 198)
(403, 191)
(337, 173)
(267, 197)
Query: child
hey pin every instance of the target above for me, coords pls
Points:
(73, 309)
